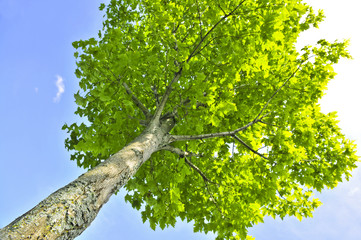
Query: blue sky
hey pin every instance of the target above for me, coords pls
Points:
(37, 84)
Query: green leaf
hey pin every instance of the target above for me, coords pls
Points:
(77, 73)
(79, 100)
(102, 6)
(200, 76)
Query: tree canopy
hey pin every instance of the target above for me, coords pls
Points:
(249, 138)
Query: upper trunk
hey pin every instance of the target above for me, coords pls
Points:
(66, 213)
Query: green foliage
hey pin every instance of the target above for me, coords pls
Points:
(233, 57)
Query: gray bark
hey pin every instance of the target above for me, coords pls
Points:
(66, 213)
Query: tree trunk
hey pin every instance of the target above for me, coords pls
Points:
(66, 213)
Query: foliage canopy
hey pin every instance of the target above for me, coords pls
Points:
(253, 139)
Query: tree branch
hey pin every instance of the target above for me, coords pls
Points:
(247, 146)
(206, 181)
(141, 121)
(165, 97)
(182, 103)
(231, 36)
(268, 124)
(211, 30)
(221, 9)
(198, 170)
(175, 138)
(178, 151)
(184, 154)
(137, 102)
(175, 28)
(155, 92)
(175, 108)
(311, 160)
(177, 75)
(200, 22)
(279, 89)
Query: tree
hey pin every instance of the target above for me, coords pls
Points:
(219, 100)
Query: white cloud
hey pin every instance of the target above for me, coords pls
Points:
(36, 90)
(61, 88)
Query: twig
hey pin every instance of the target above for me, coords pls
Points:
(200, 22)
(155, 92)
(198, 170)
(213, 199)
(247, 146)
(165, 97)
(268, 124)
(206, 181)
(137, 102)
(211, 30)
(175, 28)
(221, 9)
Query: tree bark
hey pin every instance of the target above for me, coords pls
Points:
(66, 213)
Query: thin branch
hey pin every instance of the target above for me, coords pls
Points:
(198, 170)
(261, 148)
(279, 89)
(161, 105)
(251, 123)
(221, 9)
(257, 119)
(184, 154)
(231, 36)
(211, 30)
(268, 124)
(200, 22)
(185, 37)
(137, 102)
(311, 160)
(213, 199)
(141, 121)
(116, 78)
(155, 92)
(152, 173)
(178, 151)
(175, 138)
(247, 146)
(165, 97)
(233, 145)
(209, 42)
(181, 104)
(175, 28)
(206, 181)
